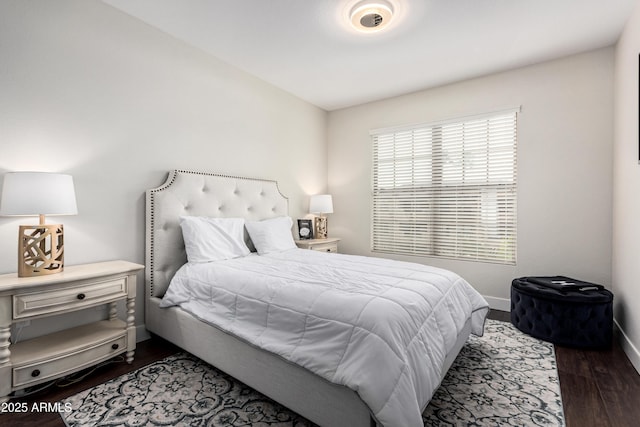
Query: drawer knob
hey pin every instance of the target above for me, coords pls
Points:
(35, 373)
(81, 296)
(114, 346)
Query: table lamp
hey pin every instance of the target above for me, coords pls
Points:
(321, 204)
(40, 247)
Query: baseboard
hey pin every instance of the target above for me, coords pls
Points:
(630, 350)
(501, 304)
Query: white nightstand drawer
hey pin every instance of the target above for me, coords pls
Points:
(325, 247)
(72, 298)
(330, 244)
(24, 376)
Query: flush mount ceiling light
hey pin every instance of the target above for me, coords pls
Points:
(371, 15)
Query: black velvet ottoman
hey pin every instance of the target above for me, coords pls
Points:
(563, 311)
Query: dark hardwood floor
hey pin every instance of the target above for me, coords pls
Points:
(599, 388)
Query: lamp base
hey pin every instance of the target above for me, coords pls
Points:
(321, 227)
(41, 250)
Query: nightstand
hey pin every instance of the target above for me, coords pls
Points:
(330, 244)
(38, 360)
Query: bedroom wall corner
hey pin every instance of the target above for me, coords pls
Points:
(91, 91)
(626, 187)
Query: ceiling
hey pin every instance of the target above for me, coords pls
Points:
(308, 48)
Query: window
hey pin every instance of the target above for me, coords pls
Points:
(447, 189)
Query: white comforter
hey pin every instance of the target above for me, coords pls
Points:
(380, 327)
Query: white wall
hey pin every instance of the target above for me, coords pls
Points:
(564, 166)
(92, 92)
(626, 190)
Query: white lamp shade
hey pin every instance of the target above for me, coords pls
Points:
(321, 204)
(38, 193)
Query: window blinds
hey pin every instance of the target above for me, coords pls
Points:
(447, 189)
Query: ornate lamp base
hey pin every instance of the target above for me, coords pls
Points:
(41, 250)
(321, 227)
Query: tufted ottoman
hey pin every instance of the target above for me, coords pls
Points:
(563, 311)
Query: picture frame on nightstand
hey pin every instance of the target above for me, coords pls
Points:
(305, 229)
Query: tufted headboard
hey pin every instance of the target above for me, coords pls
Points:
(198, 194)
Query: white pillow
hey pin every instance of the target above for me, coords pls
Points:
(271, 235)
(213, 239)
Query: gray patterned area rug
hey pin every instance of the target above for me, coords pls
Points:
(502, 378)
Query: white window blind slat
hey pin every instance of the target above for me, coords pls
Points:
(447, 189)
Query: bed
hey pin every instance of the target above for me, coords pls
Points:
(307, 391)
